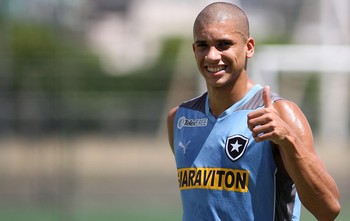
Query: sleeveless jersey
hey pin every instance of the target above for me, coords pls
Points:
(223, 173)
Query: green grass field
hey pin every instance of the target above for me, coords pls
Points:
(138, 212)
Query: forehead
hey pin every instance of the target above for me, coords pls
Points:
(226, 29)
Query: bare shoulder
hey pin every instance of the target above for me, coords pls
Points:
(291, 114)
(170, 125)
(171, 115)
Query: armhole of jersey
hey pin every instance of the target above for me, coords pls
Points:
(287, 202)
(278, 160)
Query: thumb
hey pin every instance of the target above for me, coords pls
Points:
(266, 97)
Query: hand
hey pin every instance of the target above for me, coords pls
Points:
(266, 123)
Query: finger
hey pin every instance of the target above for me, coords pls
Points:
(261, 129)
(266, 97)
(255, 114)
(261, 137)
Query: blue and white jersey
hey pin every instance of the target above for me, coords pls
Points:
(223, 173)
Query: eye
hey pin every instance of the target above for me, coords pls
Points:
(201, 44)
(223, 45)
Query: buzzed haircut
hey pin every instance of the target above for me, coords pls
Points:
(220, 11)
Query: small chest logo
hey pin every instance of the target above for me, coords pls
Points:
(184, 122)
(236, 146)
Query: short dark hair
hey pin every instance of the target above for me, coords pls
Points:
(219, 11)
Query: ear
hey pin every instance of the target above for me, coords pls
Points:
(193, 47)
(250, 47)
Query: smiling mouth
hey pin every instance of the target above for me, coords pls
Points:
(215, 69)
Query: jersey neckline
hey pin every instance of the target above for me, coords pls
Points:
(234, 107)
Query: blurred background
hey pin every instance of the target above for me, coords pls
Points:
(85, 86)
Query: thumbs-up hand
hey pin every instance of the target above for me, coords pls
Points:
(265, 123)
(266, 97)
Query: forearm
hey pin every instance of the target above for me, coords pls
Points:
(316, 188)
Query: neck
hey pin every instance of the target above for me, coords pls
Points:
(220, 99)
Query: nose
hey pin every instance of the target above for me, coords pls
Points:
(213, 54)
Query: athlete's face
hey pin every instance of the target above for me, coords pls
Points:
(221, 52)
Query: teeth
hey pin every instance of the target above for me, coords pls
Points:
(215, 69)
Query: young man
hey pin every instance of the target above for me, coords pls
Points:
(243, 153)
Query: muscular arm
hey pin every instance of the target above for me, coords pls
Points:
(170, 125)
(284, 124)
(316, 188)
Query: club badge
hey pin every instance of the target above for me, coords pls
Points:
(236, 146)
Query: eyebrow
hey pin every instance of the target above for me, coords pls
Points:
(218, 41)
(200, 42)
